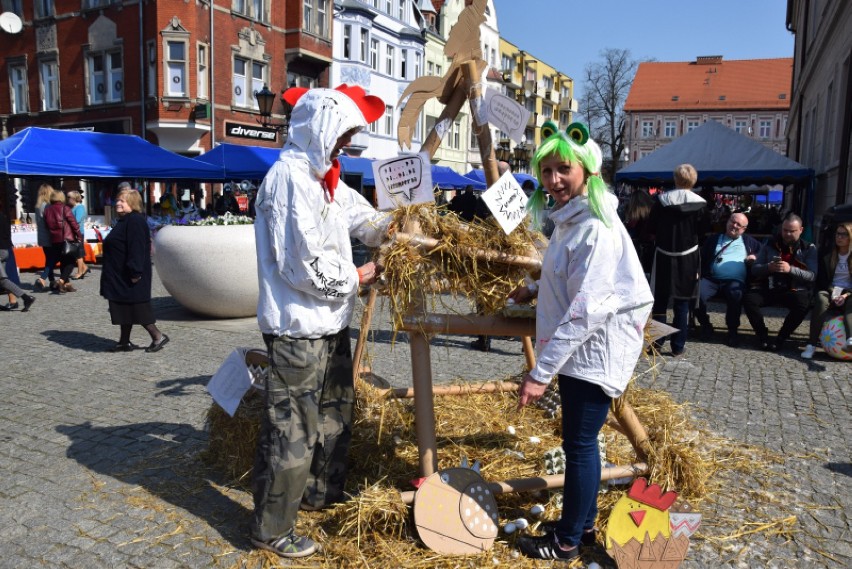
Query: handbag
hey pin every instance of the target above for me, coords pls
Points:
(69, 248)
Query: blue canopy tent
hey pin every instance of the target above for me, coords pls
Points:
(447, 178)
(79, 154)
(358, 165)
(721, 155)
(521, 177)
(238, 162)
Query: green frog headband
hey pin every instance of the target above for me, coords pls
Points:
(576, 131)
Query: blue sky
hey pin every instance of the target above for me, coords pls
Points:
(569, 34)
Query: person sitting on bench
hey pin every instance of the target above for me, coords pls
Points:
(725, 262)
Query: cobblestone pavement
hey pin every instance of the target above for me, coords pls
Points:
(100, 450)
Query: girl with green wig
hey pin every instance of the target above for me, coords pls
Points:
(593, 303)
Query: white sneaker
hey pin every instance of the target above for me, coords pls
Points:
(809, 352)
(848, 346)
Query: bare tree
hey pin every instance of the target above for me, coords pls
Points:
(606, 85)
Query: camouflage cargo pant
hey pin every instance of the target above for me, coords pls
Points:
(306, 430)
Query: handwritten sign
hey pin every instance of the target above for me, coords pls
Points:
(403, 181)
(507, 114)
(230, 382)
(507, 202)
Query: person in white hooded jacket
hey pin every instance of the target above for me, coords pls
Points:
(305, 217)
(593, 304)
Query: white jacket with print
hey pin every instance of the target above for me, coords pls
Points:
(593, 300)
(308, 282)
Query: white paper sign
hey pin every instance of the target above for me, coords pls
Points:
(507, 202)
(230, 382)
(403, 181)
(507, 114)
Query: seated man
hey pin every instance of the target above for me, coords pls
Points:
(725, 262)
(787, 265)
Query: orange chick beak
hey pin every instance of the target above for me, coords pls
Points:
(637, 516)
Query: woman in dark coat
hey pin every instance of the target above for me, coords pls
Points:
(62, 226)
(126, 274)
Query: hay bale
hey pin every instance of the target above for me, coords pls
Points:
(233, 440)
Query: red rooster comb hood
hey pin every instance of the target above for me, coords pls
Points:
(651, 495)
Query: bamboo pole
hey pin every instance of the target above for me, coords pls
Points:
(470, 389)
(632, 427)
(549, 481)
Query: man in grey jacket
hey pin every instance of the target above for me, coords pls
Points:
(785, 270)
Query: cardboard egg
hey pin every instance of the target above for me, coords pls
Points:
(455, 512)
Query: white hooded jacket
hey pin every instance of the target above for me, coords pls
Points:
(308, 282)
(593, 300)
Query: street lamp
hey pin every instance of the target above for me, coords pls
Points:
(265, 100)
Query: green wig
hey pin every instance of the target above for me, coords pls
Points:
(573, 144)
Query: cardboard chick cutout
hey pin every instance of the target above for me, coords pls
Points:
(648, 529)
(455, 512)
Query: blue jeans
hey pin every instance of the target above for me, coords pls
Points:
(584, 410)
(680, 310)
(732, 292)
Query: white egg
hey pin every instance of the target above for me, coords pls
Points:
(511, 429)
(510, 302)
(397, 440)
(509, 528)
(594, 565)
(521, 523)
(537, 510)
(535, 440)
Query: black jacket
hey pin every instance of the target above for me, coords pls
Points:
(5, 232)
(825, 273)
(127, 254)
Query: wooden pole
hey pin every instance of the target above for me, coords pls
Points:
(632, 427)
(433, 139)
(423, 242)
(366, 320)
(468, 325)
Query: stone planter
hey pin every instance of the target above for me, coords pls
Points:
(209, 269)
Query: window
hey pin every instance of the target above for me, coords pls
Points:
(295, 80)
(176, 65)
(456, 135)
(89, 4)
(388, 120)
(347, 42)
(315, 17)
(14, 6)
(547, 111)
(152, 69)
(373, 127)
(254, 9)
(389, 60)
(741, 127)
(401, 9)
(670, 129)
(418, 64)
(49, 76)
(364, 48)
(765, 129)
(18, 86)
(430, 68)
(106, 77)
(647, 129)
(202, 71)
(439, 70)
(249, 78)
(374, 54)
(691, 125)
(43, 8)
(403, 62)
(388, 7)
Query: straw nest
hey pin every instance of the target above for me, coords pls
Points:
(374, 528)
(452, 266)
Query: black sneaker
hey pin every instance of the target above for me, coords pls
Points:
(546, 547)
(157, 346)
(28, 301)
(289, 545)
(587, 539)
(9, 306)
